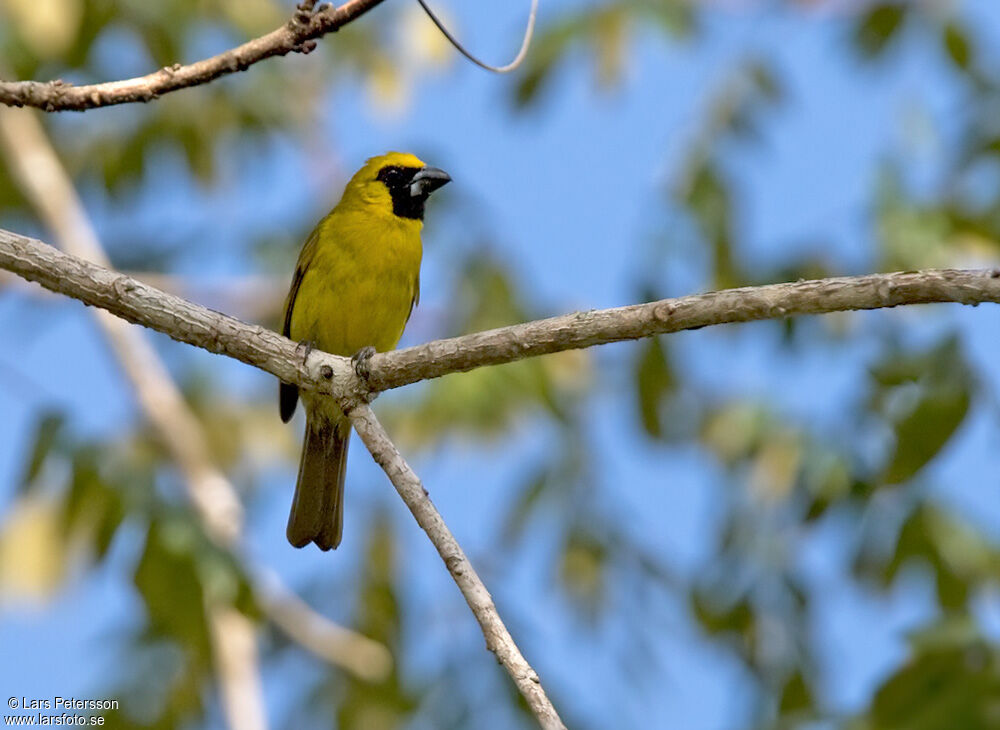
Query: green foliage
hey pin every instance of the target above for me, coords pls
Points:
(945, 684)
(878, 26)
(605, 33)
(957, 45)
(655, 381)
(926, 396)
(779, 480)
(168, 580)
(387, 704)
(46, 433)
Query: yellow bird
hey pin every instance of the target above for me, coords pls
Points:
(355, 284)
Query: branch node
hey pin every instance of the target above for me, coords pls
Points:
(122, 285)
(326, 372)
(665, 311)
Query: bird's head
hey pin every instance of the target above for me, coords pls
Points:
(395, 181)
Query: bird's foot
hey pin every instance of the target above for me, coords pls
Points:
(361, 360)
(305, 348)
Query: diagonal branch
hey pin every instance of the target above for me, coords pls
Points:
(498, 639)
(44, 182)
(298, 35)
(37, 168)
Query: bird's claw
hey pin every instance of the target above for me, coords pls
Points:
(305, 348)
(360, 360)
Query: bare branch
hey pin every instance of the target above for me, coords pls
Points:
(580, 330)
(498, 639)
(187, 322)
(366, 658)
(47, 185)
(298, 35)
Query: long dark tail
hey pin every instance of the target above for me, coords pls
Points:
(318, 508)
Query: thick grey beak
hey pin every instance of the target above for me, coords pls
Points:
(427, 180)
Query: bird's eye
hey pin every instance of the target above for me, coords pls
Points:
(391, 176)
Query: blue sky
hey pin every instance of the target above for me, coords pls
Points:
(571, 194)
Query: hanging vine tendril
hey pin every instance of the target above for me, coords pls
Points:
(518, 59)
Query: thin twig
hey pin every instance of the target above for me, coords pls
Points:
(498, 639)
(297, 35)
(518, 59)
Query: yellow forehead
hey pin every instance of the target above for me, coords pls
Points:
(399, 159)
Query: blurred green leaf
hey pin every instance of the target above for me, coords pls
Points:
(796, 696)
(604, 32)
(528, 498)
(956, 45)
(47, 431)
(877, 26)
(707, 196)
(93, 508)
(925, 431)
(655, 381)
(583, 570)
(926, 395)
(960, 559)
(388, 704)
(942, 689)
(168, 580)
(717, 618)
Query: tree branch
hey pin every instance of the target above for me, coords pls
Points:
(580, 330)
(498, 639)
(187, 322)
(298, 35)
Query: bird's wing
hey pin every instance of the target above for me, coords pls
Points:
(288, 394)
(305, 258)
(416, 298)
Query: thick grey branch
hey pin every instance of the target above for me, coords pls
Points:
(187, 322)
(298, 34)
(142, 304)
(498, 639)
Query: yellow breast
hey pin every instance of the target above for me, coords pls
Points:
(360, 284)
